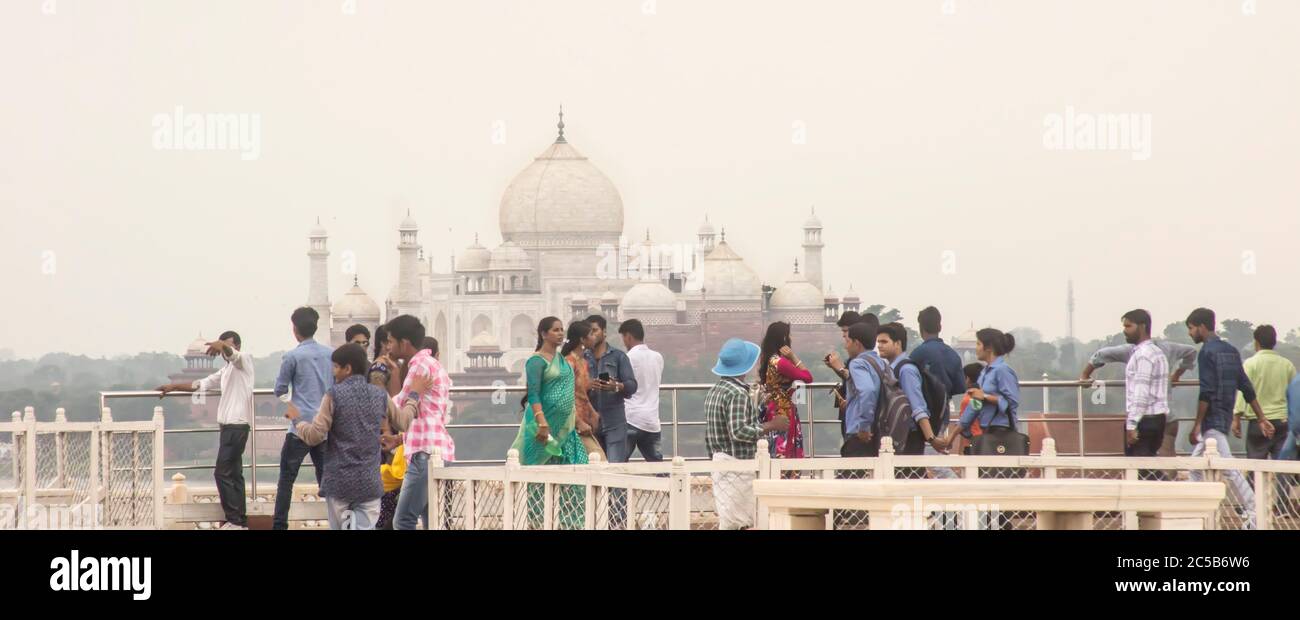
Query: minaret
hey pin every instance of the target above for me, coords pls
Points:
(1069, 308)
(812, 249)
(407, 299)
(318, 294)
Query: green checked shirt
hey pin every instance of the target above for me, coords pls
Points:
(732, 422)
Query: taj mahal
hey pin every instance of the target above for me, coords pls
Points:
(564, 252)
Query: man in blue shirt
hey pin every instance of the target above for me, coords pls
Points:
(936, 356)
(862, 385)
(607, 396)
(1222, 376)
(1292, 419)
(891, 344)
(308, 371)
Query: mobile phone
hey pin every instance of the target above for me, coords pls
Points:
(604, 376)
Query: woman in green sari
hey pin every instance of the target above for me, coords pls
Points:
(548, 434)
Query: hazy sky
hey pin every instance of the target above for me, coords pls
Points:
(922, 122)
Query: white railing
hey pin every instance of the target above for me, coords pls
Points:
(64, 475)
(493, 497)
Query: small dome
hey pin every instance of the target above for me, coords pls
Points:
(706, 228)
(830, 295)
(408, 223)
(198, 347)
(355, 306)
(608, 297)
(317, 230)
(851, 296)
(509, 257)
(727, 275)
(579, 299)
(649, 295)
(474, 258)
(483, 340)
(813, 221)
(796, 294)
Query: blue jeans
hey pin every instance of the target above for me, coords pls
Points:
(613, 440)
(645, 441)
(413, 500)
(292, 454)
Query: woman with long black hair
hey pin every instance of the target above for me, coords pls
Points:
(778, 370)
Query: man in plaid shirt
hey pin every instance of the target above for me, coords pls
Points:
(732, 430)
(429, 429)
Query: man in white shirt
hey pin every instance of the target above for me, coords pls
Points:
(1146, 390)
(642, 409)
(235, 383)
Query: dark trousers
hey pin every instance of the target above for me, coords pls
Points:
(1151, 435)
(291, 457)
(1260, 447)
(229, 472)
(645, 441)
(613, 440)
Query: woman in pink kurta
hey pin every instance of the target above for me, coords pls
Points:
(779, 369)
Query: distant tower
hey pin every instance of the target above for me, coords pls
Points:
(318, 294)
(705, 236)
(1069, 308)
(406, 299)
(812, 249)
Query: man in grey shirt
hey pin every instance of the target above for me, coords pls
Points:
(1183, 354)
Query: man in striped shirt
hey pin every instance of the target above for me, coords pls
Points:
(429, 428)
(1146, 387)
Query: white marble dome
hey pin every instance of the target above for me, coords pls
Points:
(560, 199)
(355, 306)
(797, 294)
(649, 295)
(509, 257)
(474, 258)
(727, 276)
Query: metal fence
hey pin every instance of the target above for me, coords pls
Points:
(682, 418)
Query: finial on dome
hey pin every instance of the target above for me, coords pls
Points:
(354, 280)
(796, 266)
(724, 234)
(560, 139)
(475, 238)
(647, 234)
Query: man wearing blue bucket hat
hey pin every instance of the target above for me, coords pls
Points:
(733, 427)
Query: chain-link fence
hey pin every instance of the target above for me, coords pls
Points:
(79, 475)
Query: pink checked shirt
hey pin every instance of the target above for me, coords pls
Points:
(429, 429)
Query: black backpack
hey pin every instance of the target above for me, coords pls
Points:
(893, 410)
(936, 395)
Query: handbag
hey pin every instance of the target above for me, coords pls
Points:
(1001, 440)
